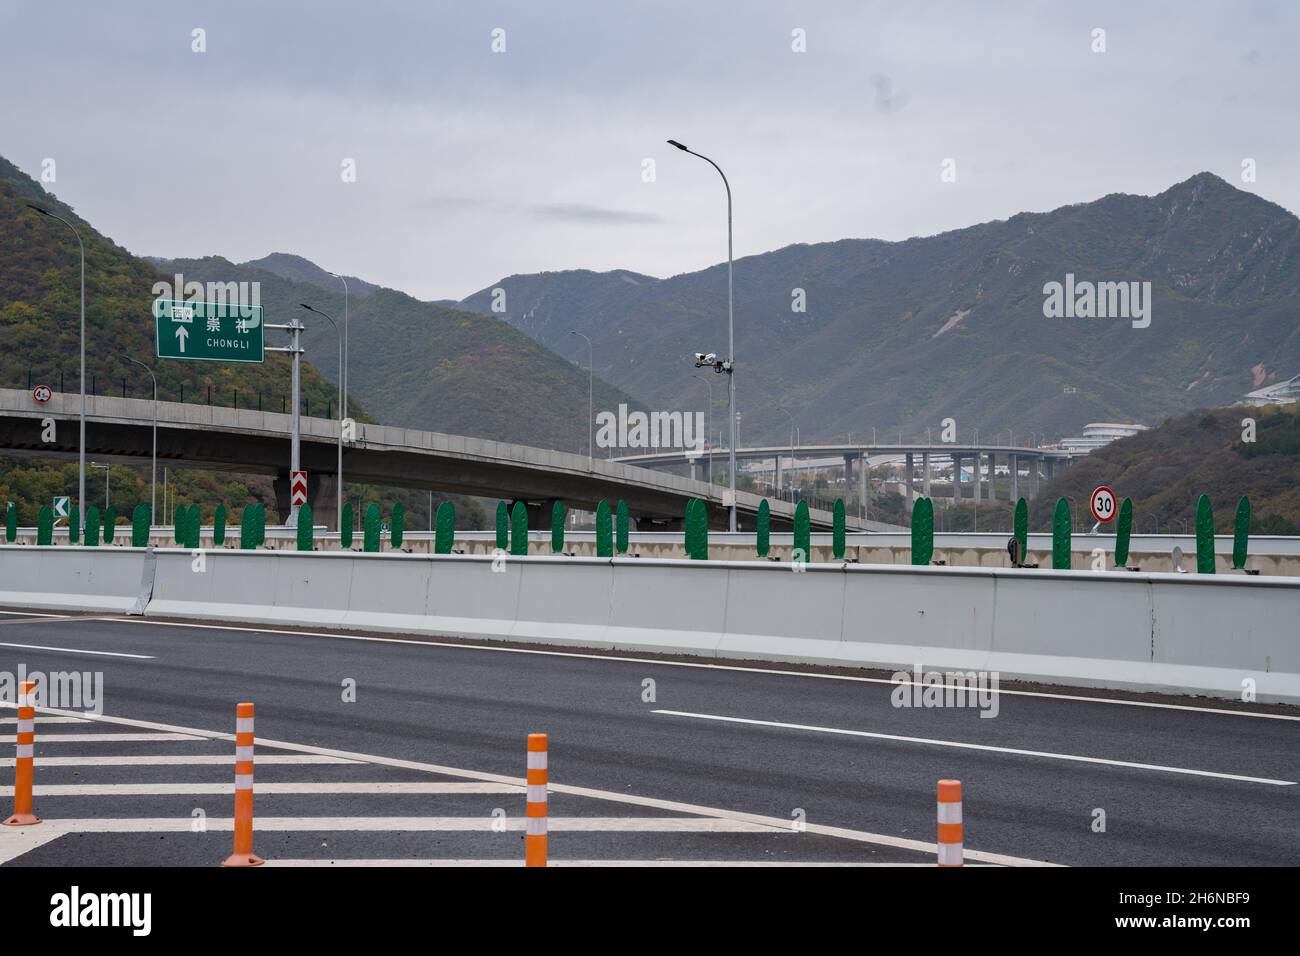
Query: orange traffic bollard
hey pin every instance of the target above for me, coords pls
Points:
(243, 855)
(950, 823)
(23, 816)
(535, 831)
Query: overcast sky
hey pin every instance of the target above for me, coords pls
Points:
(472, 165)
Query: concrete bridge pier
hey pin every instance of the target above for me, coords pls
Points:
(956, 478)
(925, 477)
(907, 474)
(1013, 472)
(539, 513)
(321, 491)
(993, 473)
(977, 478)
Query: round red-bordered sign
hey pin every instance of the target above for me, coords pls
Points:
(1103, 504)
(42, 393)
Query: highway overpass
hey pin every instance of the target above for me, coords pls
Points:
(1023, 463)
(254, 442)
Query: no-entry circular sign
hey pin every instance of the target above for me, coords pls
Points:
(42, 393)
(1102, 504)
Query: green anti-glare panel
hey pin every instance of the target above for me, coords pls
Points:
(305, 518)
(604, 531)
(345, 529)
(372, 530)
(1022, 528)
(503, 525)
(1241, 533)
(1204, 536)
(922, 532)
(445, 532)
(519, 529)
(557, 527)
(1061, 536)
(140, 527)
(398, 529)
(837, 530)
(621, 522)
(1123, 532)
(802, 534)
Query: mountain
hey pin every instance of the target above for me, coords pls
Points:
(298, 269)
(422, 365)
(899, 335)
(1166, 469)
(39, 314)
(40, 331)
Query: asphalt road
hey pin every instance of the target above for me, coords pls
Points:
(649, 759)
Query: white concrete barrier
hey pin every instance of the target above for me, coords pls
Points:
(48, 577)
(1216, 635)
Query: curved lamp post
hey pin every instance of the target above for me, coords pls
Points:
(731, 338)
(81, 452)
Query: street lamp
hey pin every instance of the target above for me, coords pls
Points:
(153, 463)
(731, 337)
(343, 385)
(589, 407)
(338, 474)
(81, 452)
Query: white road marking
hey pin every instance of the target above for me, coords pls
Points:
(42, 739)
(150, 760)
(590, 863)
(261, 789)
(15, 841)
(486, 823)
(76, 650)
(37, 618)
(766, 822)
(48, 720)
(967, 746)
(700, 664)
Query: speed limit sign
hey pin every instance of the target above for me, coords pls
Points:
(1102, 504)
(42, 393)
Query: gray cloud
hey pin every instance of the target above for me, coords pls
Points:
(548, 143)
(579, 213)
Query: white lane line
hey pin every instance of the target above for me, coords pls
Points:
(261, 789)
(15, 841)
(698, 664)
(77, 650)
(674, 806)
(42, 739)
(418, 825)
(985, 747)
(48, 720)
(150, 760)
(504, 864)
(38, 618)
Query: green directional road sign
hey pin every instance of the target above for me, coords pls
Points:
(208, 331)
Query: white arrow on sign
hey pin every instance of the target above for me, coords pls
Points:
(61, 506)
(182, 333)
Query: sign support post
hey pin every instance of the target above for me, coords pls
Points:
(295, 330)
